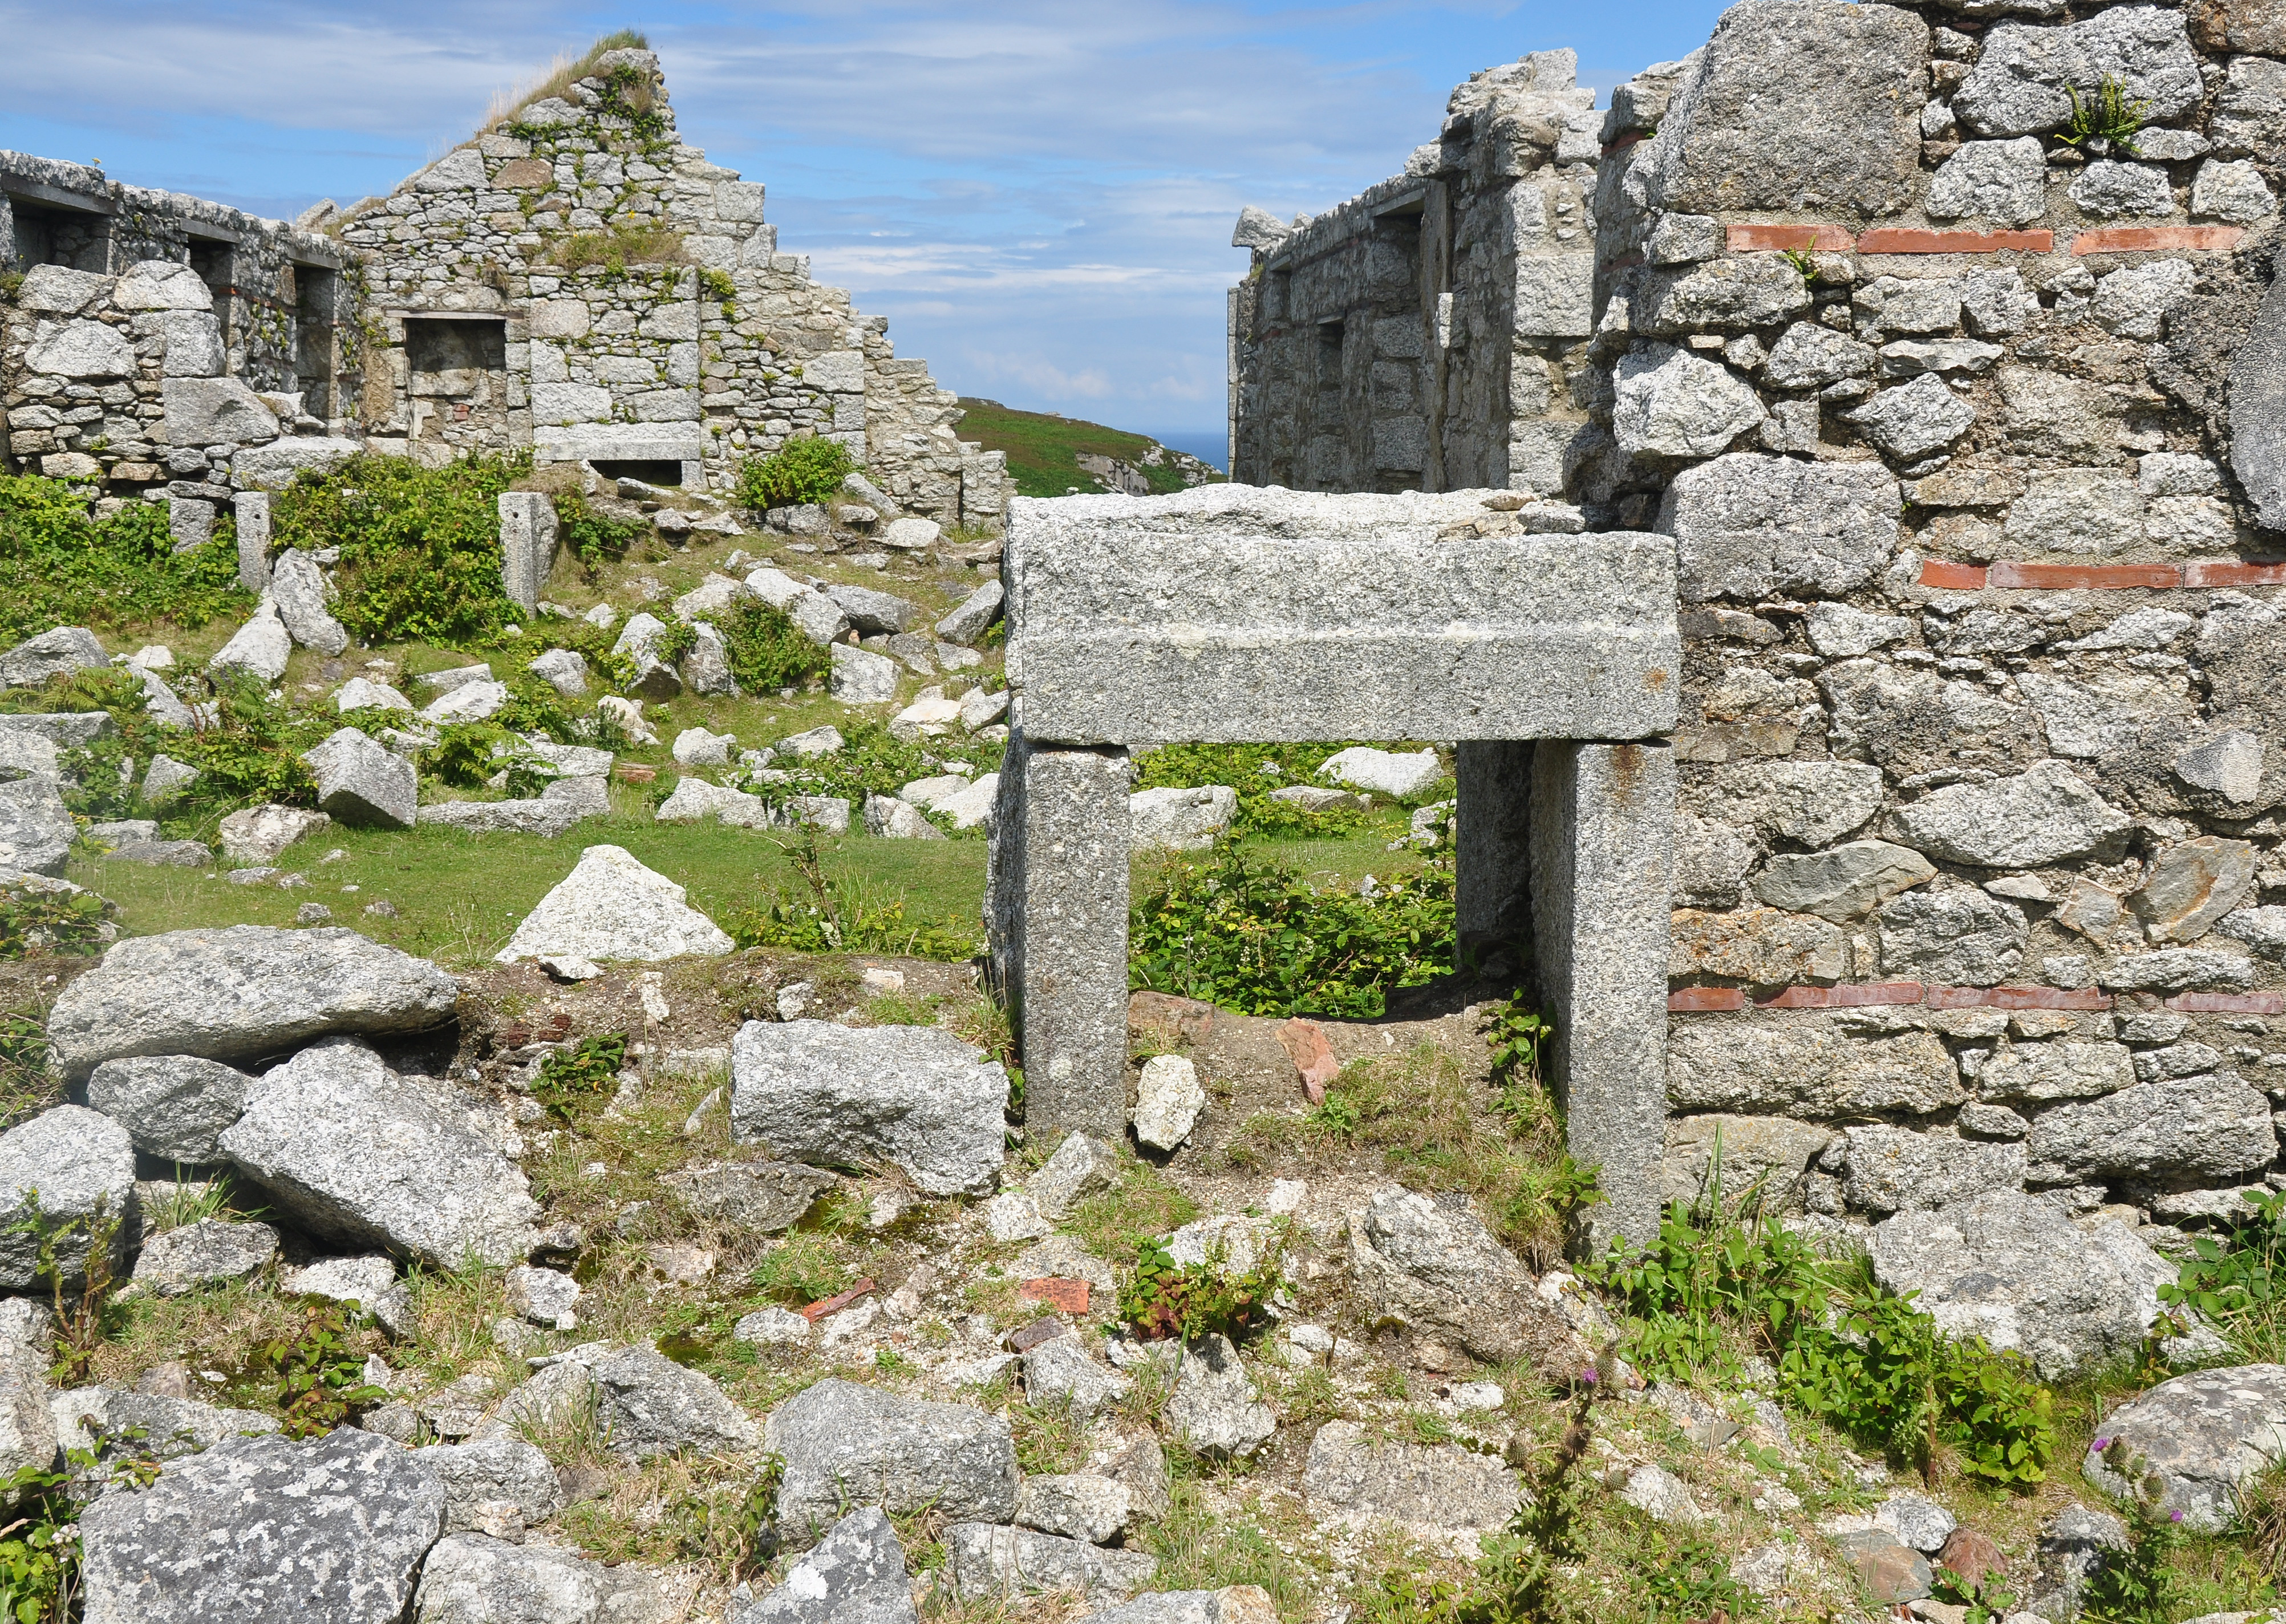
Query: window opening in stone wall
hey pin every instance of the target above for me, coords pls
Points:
(77, 239)
(456, 366)
(216, 263)
(315, 290)
(668, 474)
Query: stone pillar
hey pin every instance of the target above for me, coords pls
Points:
(190, 520)
(1493, 840)
(252, 510)
(1057, 918)
(527, 520)
(1603, 858)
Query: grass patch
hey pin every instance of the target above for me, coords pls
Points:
(1043, 450)
(1142, 1206)
(459, 896)
(561, 74)
(835, 911)
(1432, 1127)
(613, 251)
(1198, 1550)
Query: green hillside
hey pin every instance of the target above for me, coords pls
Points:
(1045, 451)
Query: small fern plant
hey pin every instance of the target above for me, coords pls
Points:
(2107, 118)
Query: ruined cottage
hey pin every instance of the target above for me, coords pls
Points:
(1943, 347)
(575, 281)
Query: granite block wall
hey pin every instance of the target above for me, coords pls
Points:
(1968, 437)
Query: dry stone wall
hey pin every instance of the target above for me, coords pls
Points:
(1417, 336)
(1968, 439)
(576, 280)
(638, 311)
(160, 344)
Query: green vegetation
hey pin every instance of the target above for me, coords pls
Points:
(1847, 1349)
(1190, 1300)
(581, 1074)
(594, 539)
(319, 1371)
(79, 1306)
(807, 1266)
(798, 472)
(39, 1548)
(421, 550)
(767, 650)
(1043, 450)
(60, 566)
(2106, 119)
(615, 250)
(1255, 771)
(33, 920)
(2238, 1282)
(1117, 1225)
(1433, 1129)
(460, 896)
(1252, 935)
(840, 912)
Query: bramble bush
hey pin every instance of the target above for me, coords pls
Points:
(38, 921)
(420, 546)
(595, 538)
(798, 472)
(767, 651)
(1254, 937)
(60, 566)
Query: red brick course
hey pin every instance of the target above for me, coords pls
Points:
(1750, 239)
(1849, 995)
(2132, 239)
(2017, 998)
(2053, 577)
(1911, 240)
(1952, 576)
(1859, 995)
(2231, 1002)
(2235, 573)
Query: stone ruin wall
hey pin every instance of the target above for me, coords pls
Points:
(160, 344)
(440, 320)
(1418, 337)
(1970, 446)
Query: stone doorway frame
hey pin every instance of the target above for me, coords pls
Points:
(1231, 614)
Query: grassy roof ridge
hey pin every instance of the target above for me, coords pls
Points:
(561, 74)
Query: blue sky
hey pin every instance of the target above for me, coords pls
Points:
(1038, 197)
